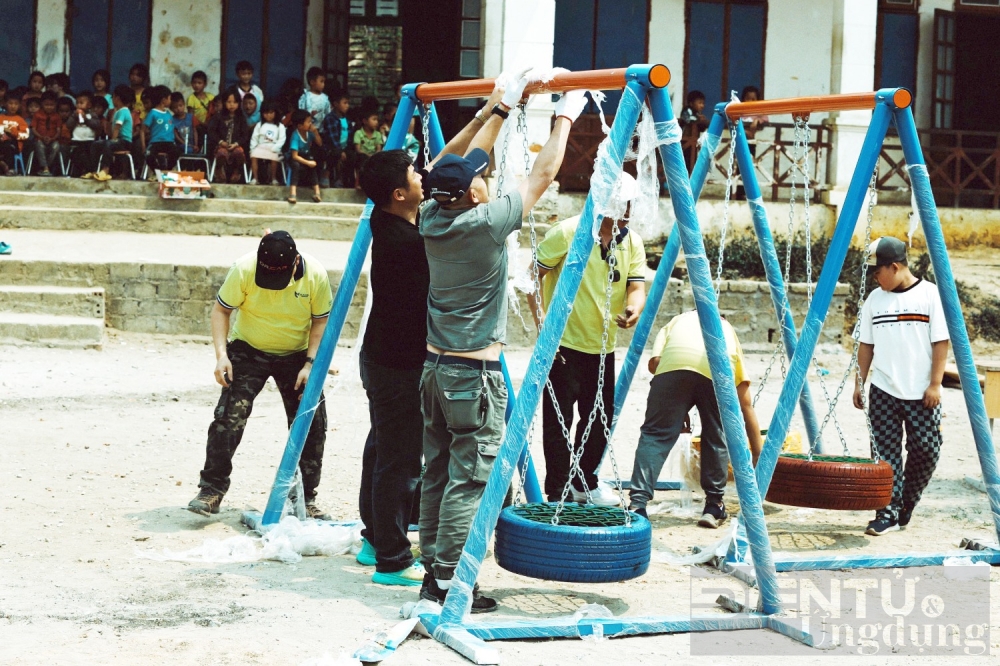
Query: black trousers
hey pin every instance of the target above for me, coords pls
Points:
(390, 465)
(163, 154)
(574, 380)
(251, 370)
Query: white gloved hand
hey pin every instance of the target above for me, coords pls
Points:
(571, 104)
(515, 91)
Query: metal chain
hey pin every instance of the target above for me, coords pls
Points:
(725, 208)
(856, 333)
(577, 454)
(425, 119)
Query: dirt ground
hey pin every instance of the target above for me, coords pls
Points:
(100, 452)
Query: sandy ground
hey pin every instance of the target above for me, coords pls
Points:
(99, 454)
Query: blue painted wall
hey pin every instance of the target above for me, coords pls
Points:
(899, 51)
(92, 23)
(599, 34)
(17, 40)
(707, 68)
(244, 39)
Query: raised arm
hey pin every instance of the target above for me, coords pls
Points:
(549, 160)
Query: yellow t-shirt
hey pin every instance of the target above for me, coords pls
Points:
(199, 107)
(276, 322)
(585, 326)
(681, 347)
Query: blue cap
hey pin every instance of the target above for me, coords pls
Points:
(452, 175)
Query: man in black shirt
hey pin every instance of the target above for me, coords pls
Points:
(392, 358)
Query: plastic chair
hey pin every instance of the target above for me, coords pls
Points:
(19, 163)
(119, 153)
(199, 156)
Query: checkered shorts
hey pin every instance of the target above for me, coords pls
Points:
(889, 415)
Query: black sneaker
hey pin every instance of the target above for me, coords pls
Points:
(713, 515)
(432, 592)
(905, 514)
(880, 526)
(639, 512)
(206, 503)
(316, 513)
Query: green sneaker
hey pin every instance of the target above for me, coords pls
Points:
(367, 554)
(411, 576)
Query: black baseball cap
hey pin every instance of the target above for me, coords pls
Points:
(886, 251)
(453, 174)
(276, 256)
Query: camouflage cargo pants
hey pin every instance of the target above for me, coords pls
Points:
(251, 370)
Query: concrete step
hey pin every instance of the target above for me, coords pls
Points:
(53, 300)
(51, 330)
(151, 214)
(142, 188)
(154, 283)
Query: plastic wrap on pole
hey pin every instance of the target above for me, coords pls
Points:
(706, 156)
(525, 464)
(751, 504)
(484, 522)
(571, 626)
(813, 325)
(890, 561)
(921, 184)
(285, 475)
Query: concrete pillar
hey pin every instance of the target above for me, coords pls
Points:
(518, 34)
(51, 48)
(852, 70)
(666, 45)
(314, 38)
(186, 37)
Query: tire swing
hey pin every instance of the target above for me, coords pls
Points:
(837, 482)
(569, 542)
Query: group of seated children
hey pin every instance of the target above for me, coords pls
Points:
(306, 131)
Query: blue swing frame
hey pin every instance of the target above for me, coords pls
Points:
(885, 111)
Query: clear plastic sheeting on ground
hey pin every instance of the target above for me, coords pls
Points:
(287, 542)
(385, 643)
(329, 660)
(702, 555)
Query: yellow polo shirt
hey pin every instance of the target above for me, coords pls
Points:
(273, 321)
(681, 347)
(586, 321)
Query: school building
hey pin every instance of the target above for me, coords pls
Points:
(940, 49)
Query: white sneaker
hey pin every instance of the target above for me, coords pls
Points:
(600, 496)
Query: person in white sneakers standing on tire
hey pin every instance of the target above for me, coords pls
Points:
(577, 366)
(904, 347)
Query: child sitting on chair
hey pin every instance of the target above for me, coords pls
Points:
(119, 133)
(367, 141)
(266, 143)
(185, 125)
(13, 133)
(163, 151)
(46, 128)
(904, 343)
(304, 165)
(84, 128)
(682, 379)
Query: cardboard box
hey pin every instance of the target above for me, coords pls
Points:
(182, 184)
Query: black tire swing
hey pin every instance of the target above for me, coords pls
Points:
(569, 542)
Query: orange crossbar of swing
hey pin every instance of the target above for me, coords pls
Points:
(817, 104)
(598, 79)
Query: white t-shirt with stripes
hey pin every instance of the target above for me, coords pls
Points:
(903, 325)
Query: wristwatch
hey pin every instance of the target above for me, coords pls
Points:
(498, 111)
(310, 360)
